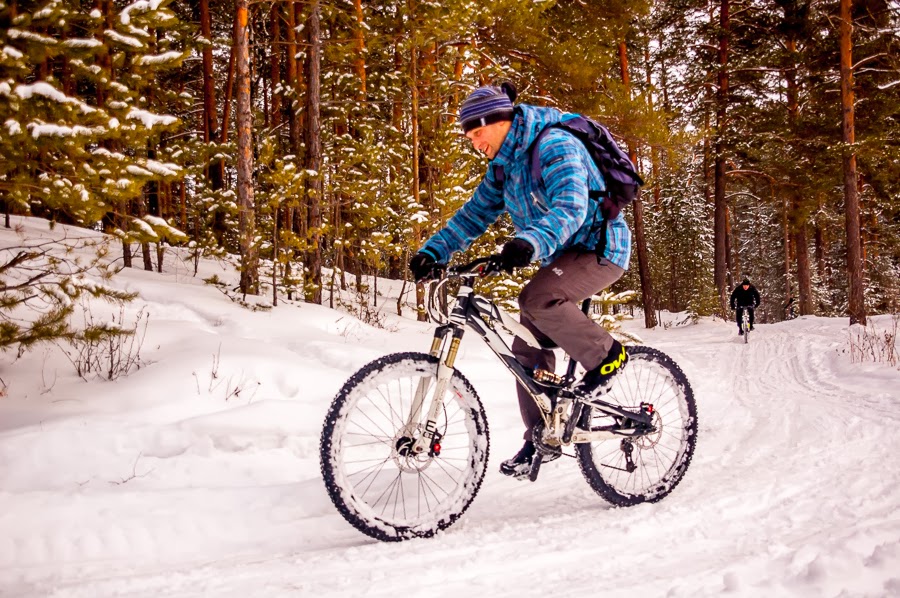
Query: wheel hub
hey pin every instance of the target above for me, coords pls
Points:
(407, 460)
(650, 440)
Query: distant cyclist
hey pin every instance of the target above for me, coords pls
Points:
(744, 296)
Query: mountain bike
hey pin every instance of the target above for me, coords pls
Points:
(405, 444)
(745, 322)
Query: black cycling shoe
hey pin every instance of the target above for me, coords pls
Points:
(613, 364)
(520, 465)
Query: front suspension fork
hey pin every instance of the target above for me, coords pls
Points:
(444, 374)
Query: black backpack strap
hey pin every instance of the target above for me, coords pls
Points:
(499, 173)
(534, 157)
(600, 249)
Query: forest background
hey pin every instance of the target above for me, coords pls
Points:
(316, 142)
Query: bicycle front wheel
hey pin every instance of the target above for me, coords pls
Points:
(373, 478)
(629, 471)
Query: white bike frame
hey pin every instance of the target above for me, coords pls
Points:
(484, 317)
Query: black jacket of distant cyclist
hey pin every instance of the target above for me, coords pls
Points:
(744, 295)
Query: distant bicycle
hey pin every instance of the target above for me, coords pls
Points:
(405, 444)
(745, 321)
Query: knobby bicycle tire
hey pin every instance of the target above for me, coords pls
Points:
(374, 481)
(661, 458)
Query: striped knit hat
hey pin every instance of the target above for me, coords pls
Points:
(487, 105)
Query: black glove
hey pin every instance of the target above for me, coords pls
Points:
(516, 254)
(422, 265)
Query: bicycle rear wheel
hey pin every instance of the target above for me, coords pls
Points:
(373, 478)
(659, 460)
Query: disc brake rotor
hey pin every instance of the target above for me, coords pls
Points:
(406, 460)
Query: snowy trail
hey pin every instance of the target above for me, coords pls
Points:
(790, 493)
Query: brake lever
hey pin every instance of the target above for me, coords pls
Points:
(491, 266)
(437, 271)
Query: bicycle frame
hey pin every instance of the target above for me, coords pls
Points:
(483, 317)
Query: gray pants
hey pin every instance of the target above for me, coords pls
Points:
(551, 309)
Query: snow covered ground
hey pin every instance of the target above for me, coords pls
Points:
(198, 474)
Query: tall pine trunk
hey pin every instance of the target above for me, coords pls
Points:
(721, 207)
(313, 158)
(210, 127)
(799, 214)
(421, 316)
(249, 260)
(857, 307)
(640, 238)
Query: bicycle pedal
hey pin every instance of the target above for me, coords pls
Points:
(535, 466)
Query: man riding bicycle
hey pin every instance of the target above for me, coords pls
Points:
(744, 296)
(557, 223)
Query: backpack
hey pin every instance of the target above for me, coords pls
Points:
(622, 181)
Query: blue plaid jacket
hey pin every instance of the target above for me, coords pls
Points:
(553, 214)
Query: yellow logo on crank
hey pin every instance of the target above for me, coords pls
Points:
(609, 368)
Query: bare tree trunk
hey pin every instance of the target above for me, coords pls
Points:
(313, 157)
(291, 60)
(210, 128)
(458, 65)
(721, 207)
(857, 306)
(275, 66)
(640, 238)
(229, 85)
(804, 280)
(421, 316)
(273, 122)
(786, 226)
(275, 249)
(249, 257)
(359, 61)
(654, 152)
(732, 259)
(821, 248)
(289, 89)
(799, 217)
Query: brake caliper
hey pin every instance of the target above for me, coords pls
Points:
(435, 450)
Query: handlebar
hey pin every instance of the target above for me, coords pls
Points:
(440, 275)
(482, 266)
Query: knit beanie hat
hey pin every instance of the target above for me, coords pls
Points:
(745, 281)
(487, 105)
